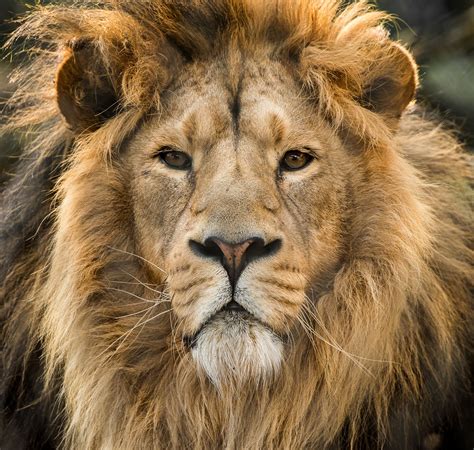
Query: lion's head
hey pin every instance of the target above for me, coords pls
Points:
(244, 243)
(240, 196)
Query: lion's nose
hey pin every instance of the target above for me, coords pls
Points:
(235, 257)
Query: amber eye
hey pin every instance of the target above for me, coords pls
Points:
(175, 159)
(295, 160)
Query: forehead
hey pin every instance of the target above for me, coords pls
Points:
(243, 100)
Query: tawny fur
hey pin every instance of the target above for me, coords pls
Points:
(397, 315)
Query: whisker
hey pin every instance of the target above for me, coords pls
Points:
(142, 323)
(123, 291)
(138, 312)
(139, 257)
(174, 337)
(123, 336)
(307, 330)
(352, 355)
(146, 285)
(132, 283)
(122, 339)
(323, 326)
(333, 343)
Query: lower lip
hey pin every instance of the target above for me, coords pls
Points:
(190, 341)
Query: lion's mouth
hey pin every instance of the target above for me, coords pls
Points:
(234, 346)
(231, 311)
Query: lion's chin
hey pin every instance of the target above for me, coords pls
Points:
(234, 348)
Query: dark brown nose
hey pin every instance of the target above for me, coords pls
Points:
(235, 257)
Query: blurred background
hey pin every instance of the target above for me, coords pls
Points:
(439, 32)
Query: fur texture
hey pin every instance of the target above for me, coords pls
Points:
(358, 328)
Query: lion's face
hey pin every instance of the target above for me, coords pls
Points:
(238, 196)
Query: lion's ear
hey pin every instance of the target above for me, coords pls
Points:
(391, 83)
(87, 91)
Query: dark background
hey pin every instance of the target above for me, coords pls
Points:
(439, 32)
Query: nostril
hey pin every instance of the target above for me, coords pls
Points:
(209, 249)
(235, 257)
(259, 249)
(256, 248)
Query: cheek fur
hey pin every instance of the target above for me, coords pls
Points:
(160, 201)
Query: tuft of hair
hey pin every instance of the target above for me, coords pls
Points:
(231, 353)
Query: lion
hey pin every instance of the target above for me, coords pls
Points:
(232, 227)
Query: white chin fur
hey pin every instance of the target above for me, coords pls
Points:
(233, 349)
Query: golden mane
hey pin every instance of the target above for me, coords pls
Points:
(335, 47)
(406, 277)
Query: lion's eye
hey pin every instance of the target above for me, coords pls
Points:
(295, 160)
(175, 159)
